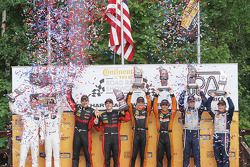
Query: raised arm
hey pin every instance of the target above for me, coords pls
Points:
(60, 110)
(19, 108)
(174, 106)
(148, 103)
(155, 105)
(130, 107)
(231, 107)
(155, 110)
(181, 101)
(11, 107)
(70, 100)
(173, 109)
(203, 102)
(208, 105)
(61, 106)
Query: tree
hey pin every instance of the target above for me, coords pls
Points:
(13, 51)
(227, 40)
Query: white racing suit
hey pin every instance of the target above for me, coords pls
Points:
(32, 122)
(52, 119)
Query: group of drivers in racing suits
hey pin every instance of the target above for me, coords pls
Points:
(46, 120)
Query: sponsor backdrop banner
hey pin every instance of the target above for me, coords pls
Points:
(99, 81)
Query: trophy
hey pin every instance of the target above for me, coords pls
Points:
(121, 99)
(164, 80)
(191, 78)
(17, 92)
(222, 83)
(138, 80)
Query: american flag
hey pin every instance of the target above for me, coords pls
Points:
(113, 17)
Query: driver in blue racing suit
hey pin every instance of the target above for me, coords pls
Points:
(191, 117)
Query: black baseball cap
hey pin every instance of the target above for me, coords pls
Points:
(164, 102)
(109, 100)
(222, 102)
(84, 97)
(191, 98)
(140, 99)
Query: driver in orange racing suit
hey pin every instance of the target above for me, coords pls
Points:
(140, 117)
(164, 122)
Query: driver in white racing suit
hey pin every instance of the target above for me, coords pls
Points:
(52, 118)
(32, 122)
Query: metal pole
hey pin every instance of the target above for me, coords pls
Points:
(122, 43)
(116, 9)
(114, 57)
(199, 36)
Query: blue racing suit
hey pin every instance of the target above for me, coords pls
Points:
(191, 120)
(222, 122)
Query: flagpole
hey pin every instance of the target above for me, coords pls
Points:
(122, 35)
(114, 57)
(116, 9)
(199, 36)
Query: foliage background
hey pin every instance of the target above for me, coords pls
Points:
(225, 39)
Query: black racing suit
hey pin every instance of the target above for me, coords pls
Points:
(164, 124)
(140, 126)
(109, 124)
(84, 121)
